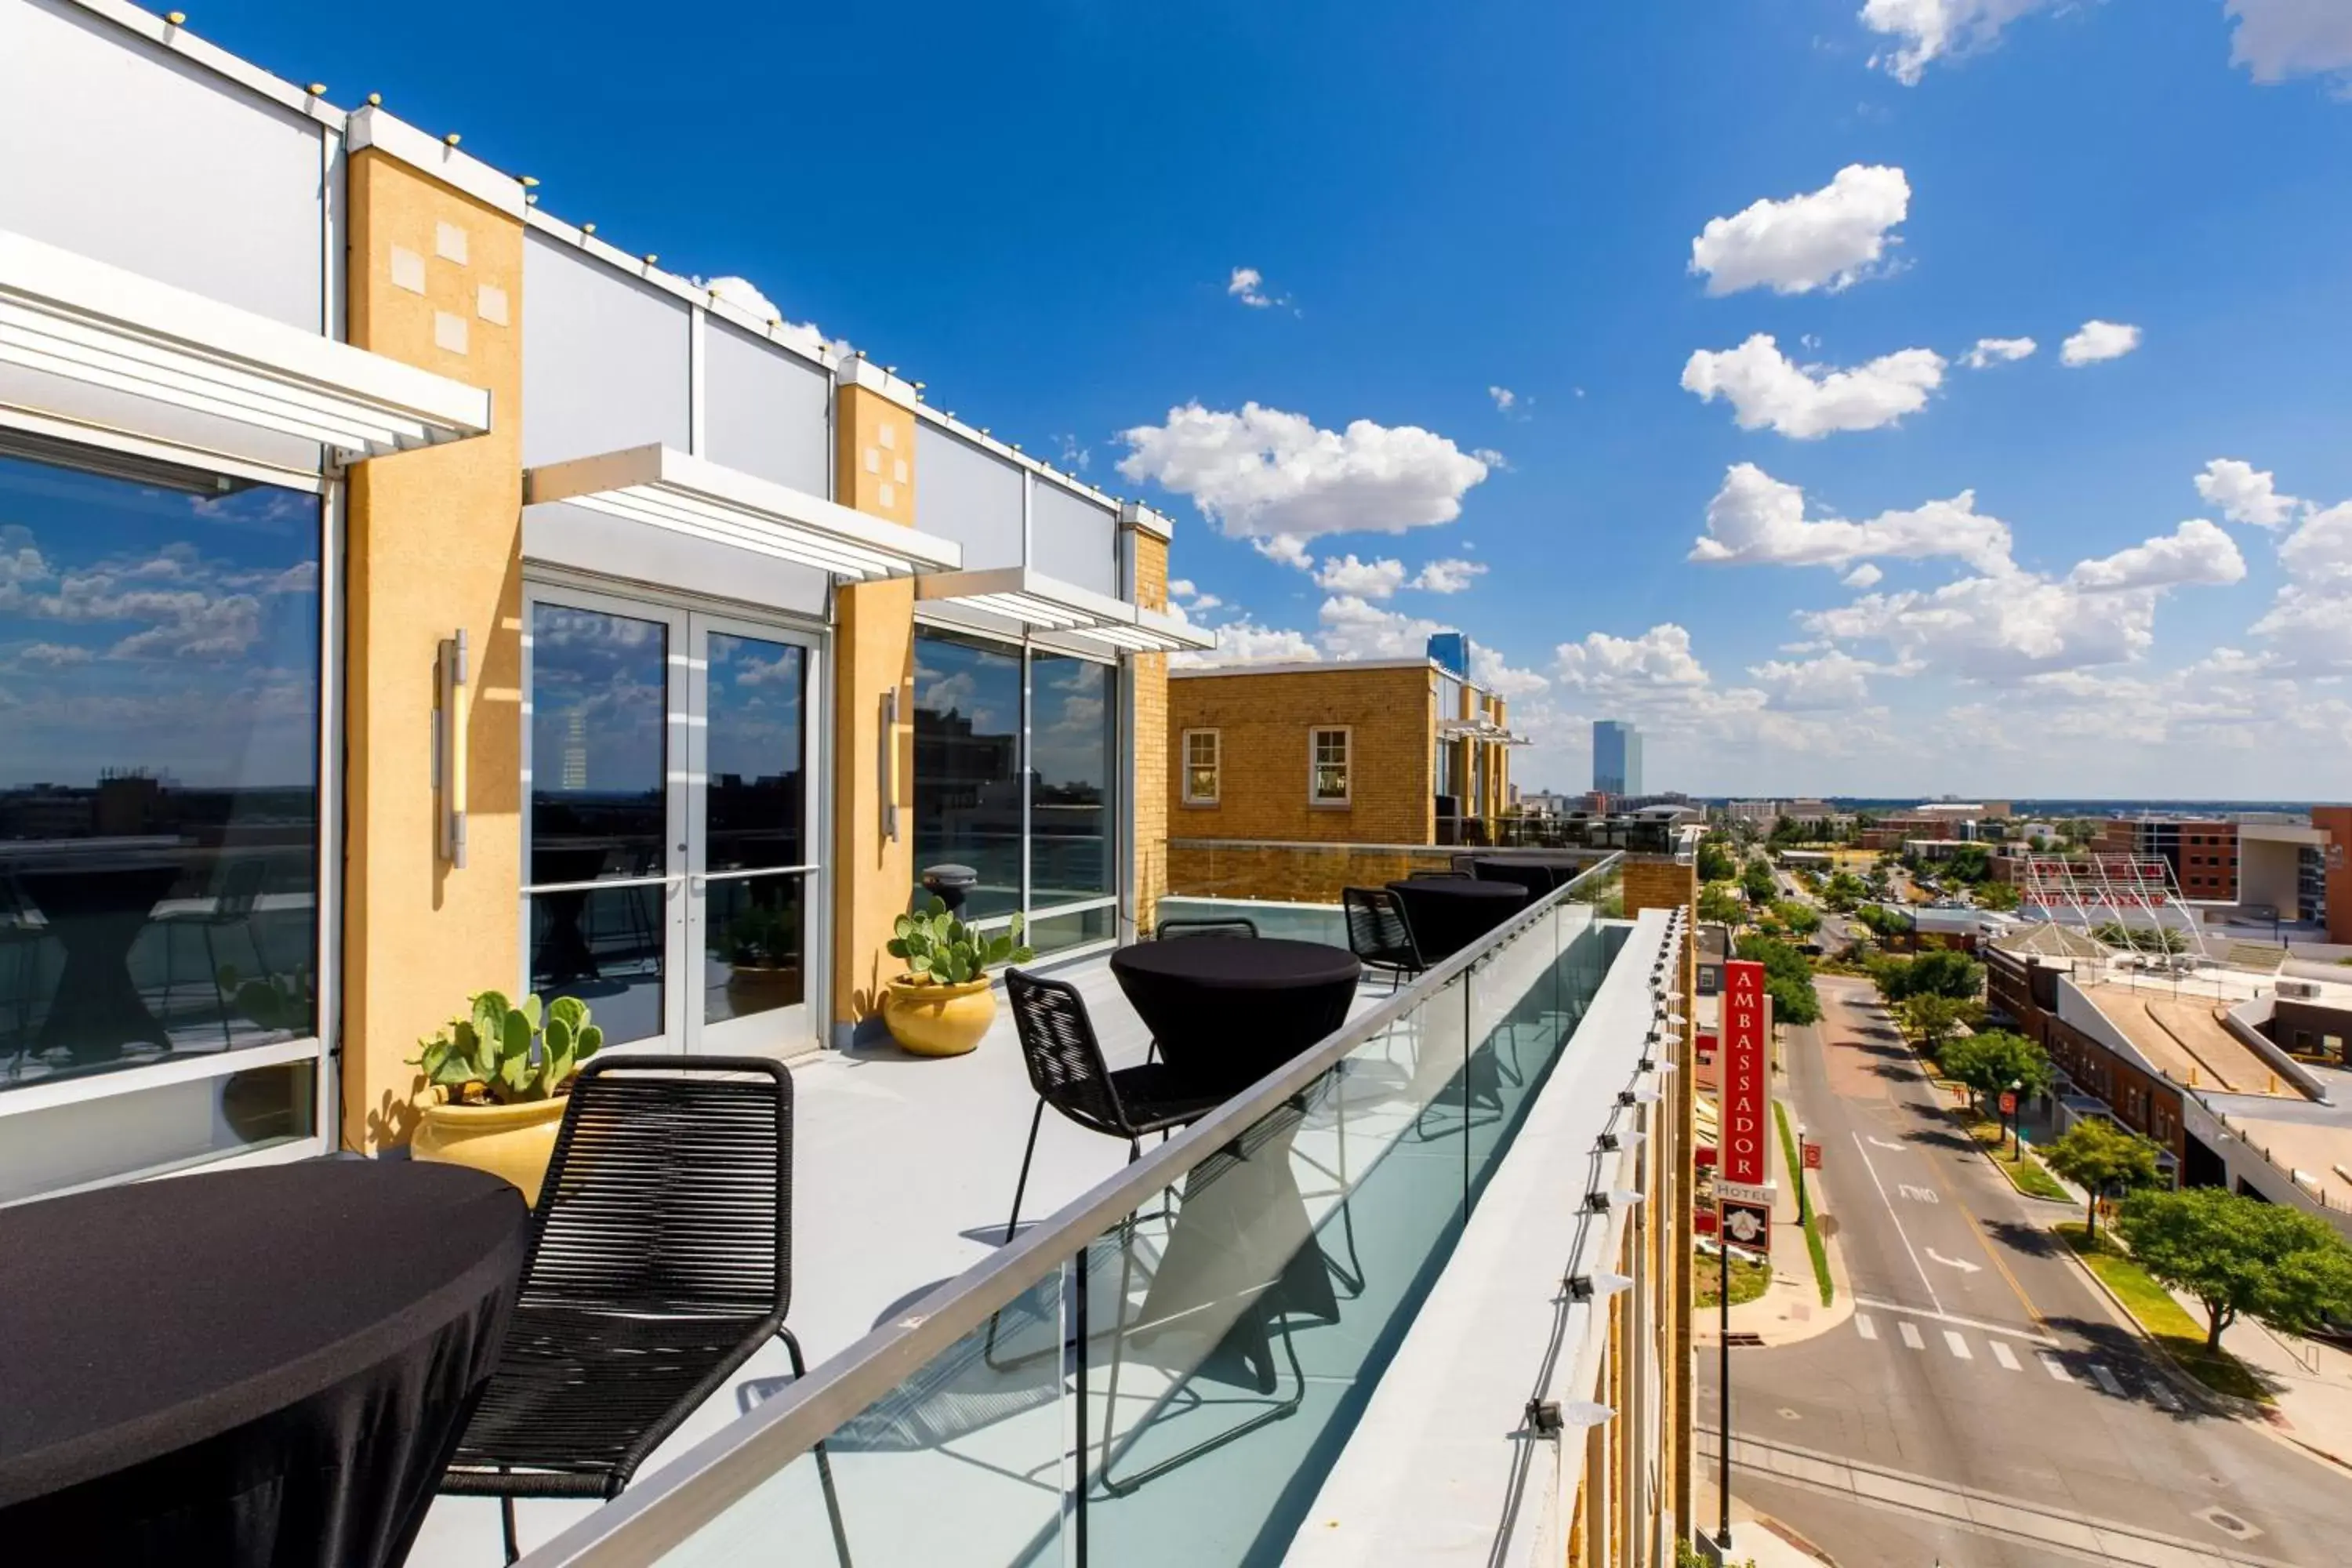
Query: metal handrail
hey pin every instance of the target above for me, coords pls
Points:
(663, 1510)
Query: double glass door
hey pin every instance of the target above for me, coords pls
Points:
(670, 838)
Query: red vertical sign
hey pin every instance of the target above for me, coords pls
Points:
(1747, 1085)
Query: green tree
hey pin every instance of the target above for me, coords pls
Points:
(1946, 973)
(1720, 905)
(1969, 863)
(1934, 1018)
(1881, 921)
(1788, 979)
(1843, 891)
(1757, 881)
(2038, 844)
(1714, 861)
(2241, 1257)
(2000, 896)
(2095, 1154)
(1799, 919)
(1990, 1062)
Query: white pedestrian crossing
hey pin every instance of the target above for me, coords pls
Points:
(2080, 1374)
(2003, 1354)
(2163, 1396)
(1959, 1346)
(2106, 1379)
(1865, 1327)
(2056, 1368)
(1911, 1336)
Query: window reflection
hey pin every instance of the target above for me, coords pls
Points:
(754, 811)
(1070, 760)
(159, 769)
(967, 765)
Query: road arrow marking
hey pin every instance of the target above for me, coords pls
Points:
(1884, 1145)
(1963, 1264)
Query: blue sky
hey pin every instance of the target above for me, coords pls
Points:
(1039, 210)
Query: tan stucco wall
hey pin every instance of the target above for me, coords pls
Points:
(1148, 674)
(874, 653)
(1262, 719)
(434, 545)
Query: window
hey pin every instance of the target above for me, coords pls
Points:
(1327, 779)
(1201, 767)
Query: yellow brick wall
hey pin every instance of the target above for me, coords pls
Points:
(1262, 719)
(1148, 673)
(1294, 873)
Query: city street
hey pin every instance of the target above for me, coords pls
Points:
(1983, 1407)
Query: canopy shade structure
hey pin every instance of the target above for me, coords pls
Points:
(1479, 729)
(67, 316)
(1018, 593)
(664, 488)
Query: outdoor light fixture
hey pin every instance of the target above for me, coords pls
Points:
(889, 763)
(1596, 1203)
(1625, 1195)
(449, 746)
(1582, 1413)
(1587, 1287)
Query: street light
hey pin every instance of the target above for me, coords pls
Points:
(2016, 1114)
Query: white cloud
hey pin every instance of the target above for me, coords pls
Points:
(1504, 398)
(2246, 494)
(2276, 39)
(1247, 642)
(2321, 549)
(1247, 284)
(745, 296)
(1181, 588)
(1288, 548)
(1829, 238)
(2310, 619)
(1488, 669)
(1998, 627)
(1660, 657)
(1185, 599)
(1862, 577)
(1998, 350)
(2197, 553)
(1447, 576)
(1492, 459)
(1353, 628)
(1928, 30)
(1765, 387)
(1756, 519)
(1370, 579)
(52, 655)
(2098, 341)
(1261, 471)
(1834, 680)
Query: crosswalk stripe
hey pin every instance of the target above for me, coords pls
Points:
(1865, 1327)
(2106, 1379)
(2003, 1354)
(1911, 1336)
(1959, 1346)
(2163, 1395)
(2050, 1364)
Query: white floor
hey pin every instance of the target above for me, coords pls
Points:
(902, 1177)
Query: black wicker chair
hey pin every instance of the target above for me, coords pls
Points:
(660, 1260)
(1378, 934)
(1228, 925)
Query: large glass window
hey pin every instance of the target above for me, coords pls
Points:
(968, 803)
(159, 773)
(1071, 756)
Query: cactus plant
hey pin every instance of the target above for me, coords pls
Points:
(941, 950)
(504, 1055)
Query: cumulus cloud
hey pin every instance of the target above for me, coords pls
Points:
(1756, 519)
(1929, 30)
(1998, 350)
(1286, 549)
(1830, 238)
(1504, 398)
(1247, 284)
(1185, 598)
(1490, 670)
(1353, 628)
(2246, 494)
(2197, 553)
(1369, 579)
(1452, 575)
(1659, 658)
(1862, 577)
(745, 296)
(1998, 627)
(1247, 642)
(1261, 471)
(2097, 342)
(1834, 680)
(2311, 618)
(52, 655)
(2277, 39)
(1766, 388)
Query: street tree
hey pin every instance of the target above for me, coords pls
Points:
(1935, 1019)
(1995, 1060)
(2001, 896)
(1714, 861)
(2096, 1154)
(1843, 891)
(1942, 971)
(1788, 979)
(1798, 920)
(2241, 1257)
(1719, 904)
(1757, 881)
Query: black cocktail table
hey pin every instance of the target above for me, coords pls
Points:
(255, 1366)
(1227, 1010)
(96, 911)
(1448, 913)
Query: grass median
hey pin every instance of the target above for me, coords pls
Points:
(2165, 1320)
(2023, 1171)
(1791, 1161)
(1749, 1280)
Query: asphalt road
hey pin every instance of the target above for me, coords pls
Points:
(1983, 1408)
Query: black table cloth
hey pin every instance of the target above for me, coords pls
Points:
(262, 1368)
(1535, 878)
(1448, 913)
(95, 910)
(1227, 1010)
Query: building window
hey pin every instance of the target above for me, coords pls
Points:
(968, 807)
(1073, 749)
(1201, 767)
(1327, 773)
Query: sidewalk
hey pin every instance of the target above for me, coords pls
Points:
(2311, 1381)
(1791, 1309)
(1766, 1542)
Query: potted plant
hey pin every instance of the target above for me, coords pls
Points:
(499, 1075)
(942, 1004)
(762, 949)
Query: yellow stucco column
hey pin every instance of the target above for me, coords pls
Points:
(1146, 535)
(433, 546)
(873, 662)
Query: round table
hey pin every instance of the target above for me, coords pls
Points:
(96, 911)
(1227, 1010)
(1448, 913)
(263, 1366)
(1534, 876)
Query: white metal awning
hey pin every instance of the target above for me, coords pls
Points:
(1479, 729)
(66, 315)
(666, 489)
(1018, 593)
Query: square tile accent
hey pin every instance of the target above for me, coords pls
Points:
(490, 304)
(873, 461)
(407, 270)
(889, 434)
(898, 470)
(889, 497)
(449, 243)
(449, 330)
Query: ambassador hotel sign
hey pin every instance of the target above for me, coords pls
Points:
(1746, 1077)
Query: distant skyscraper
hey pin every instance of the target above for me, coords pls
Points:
(1616, 757)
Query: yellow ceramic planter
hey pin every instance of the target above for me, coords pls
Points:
(514, 1141)
(939, 1020)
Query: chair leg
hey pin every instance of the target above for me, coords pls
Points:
(507, 1522)
(824, 1460)
(1021, 1187)
(220, 998)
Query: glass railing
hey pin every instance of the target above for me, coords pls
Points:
(1164, 1371)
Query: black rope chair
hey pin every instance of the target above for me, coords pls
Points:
(1378, 934)
(660, 1260)
(1227, 925)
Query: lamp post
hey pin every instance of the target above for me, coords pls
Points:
(2016, 1114)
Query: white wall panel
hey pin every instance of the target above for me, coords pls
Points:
(968, 495)
(763, 410)
(1073, 539)
(114, 148)
(605, 358)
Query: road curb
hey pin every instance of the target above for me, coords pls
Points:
(2186, 1381)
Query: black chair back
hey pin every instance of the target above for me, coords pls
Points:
(1377, 931)
(1058, 1042)
(240, 890)
(1228, 925)
(671, 1190)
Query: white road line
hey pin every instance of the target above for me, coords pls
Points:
(1989, 1328)
(2106, 1379)
(2003, 1354)
(1959, 1346)
(1864, 1149)
(1865, 1327)
(2049, 1363)
(1911, 1336)
(2163, 1395)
